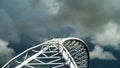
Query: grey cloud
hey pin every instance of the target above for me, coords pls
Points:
(109, 37)
(5, 52)
(36, 19)
(91, 14)
(84, 16)
(7, 30)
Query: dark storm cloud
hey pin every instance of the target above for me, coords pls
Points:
(7, 30)
(33, 18)
(25, 17)
(91, 14)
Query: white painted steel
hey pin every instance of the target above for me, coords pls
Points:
(56, 44)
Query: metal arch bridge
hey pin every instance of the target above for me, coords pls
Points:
(56, 53)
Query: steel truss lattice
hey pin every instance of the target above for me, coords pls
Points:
(56, 53)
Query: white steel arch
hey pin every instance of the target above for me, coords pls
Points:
(56, 53)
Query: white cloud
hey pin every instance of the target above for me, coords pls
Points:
(5, 52)
(99, 53)
(109, 37)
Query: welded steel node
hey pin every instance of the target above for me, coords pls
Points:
(56, 53)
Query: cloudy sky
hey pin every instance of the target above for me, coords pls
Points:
(25, 23)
